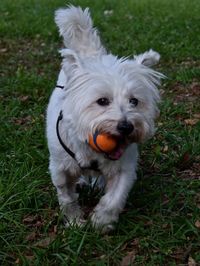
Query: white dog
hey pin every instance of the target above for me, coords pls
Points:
(98, 92)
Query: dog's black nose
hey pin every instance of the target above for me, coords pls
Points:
(125, 128)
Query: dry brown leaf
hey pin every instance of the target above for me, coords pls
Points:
(22, 120)
(148, 223)
(33, 221)
(134, 244)
(3, 50)
(197, 116)
(129, 258)
(23, 98)
(43, 243)
(185, 161)
(17, 261)
(191, 262)
(165, 226)
(30, 219)
(197, 224)
(31, 236)
(30, 258)
(55, 229)
(166, 148)
(195, 88)
(191, 122)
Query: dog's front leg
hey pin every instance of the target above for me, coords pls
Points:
(112, 203)
(67, 197)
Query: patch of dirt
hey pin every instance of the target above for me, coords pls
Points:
(33, 221)
(186, 63)
(131, 248)
(185, 93)
(189, 62)
(182, 255)
(27, 120)
(30, 54)
(193, 173)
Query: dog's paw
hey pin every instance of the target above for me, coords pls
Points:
(107, 228)
(77, 222)
(72, 214)
(103, 220)
(75, 218)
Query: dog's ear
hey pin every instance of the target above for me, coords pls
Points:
(70, 57)
(148, 59)
(70, 63)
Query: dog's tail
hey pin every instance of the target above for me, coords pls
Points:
(76, 27)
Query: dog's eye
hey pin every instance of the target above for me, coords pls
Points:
(103, 101)
(133, 101)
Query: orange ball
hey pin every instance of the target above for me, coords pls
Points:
(102, 142)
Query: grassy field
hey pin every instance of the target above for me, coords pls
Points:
(161, 222)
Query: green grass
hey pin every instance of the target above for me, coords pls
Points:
(159, 225)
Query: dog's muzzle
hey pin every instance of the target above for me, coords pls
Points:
(125, 128)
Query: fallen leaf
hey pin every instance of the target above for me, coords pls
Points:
(17, 261)
(128, 259)
(29, 219)
(108, 12)
(39, 224)
(197, 116)
(195, 88)
(3, 50)
(191, 122)
(22, 120)
(191, 262)
(134, 244)
(192, 173)
(178, 255)
(23, 98)
(29, 257)
(148, 223)
(197, 224)
(185, 161)
(160, 124)
(197, 200)
(165, 199)
(165, 226)
(53, 229)
(43, 243)
(31, 236)
(33, 221)
(186, 157)
(165, 149)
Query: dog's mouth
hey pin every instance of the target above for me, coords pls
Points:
(112, 146)
(119, 150)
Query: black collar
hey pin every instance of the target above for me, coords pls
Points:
(93, 164)
(59, 86)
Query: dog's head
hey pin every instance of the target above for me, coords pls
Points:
(111, 95)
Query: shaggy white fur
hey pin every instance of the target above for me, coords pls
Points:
(101, 93)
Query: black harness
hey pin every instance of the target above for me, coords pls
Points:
(93, 164)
